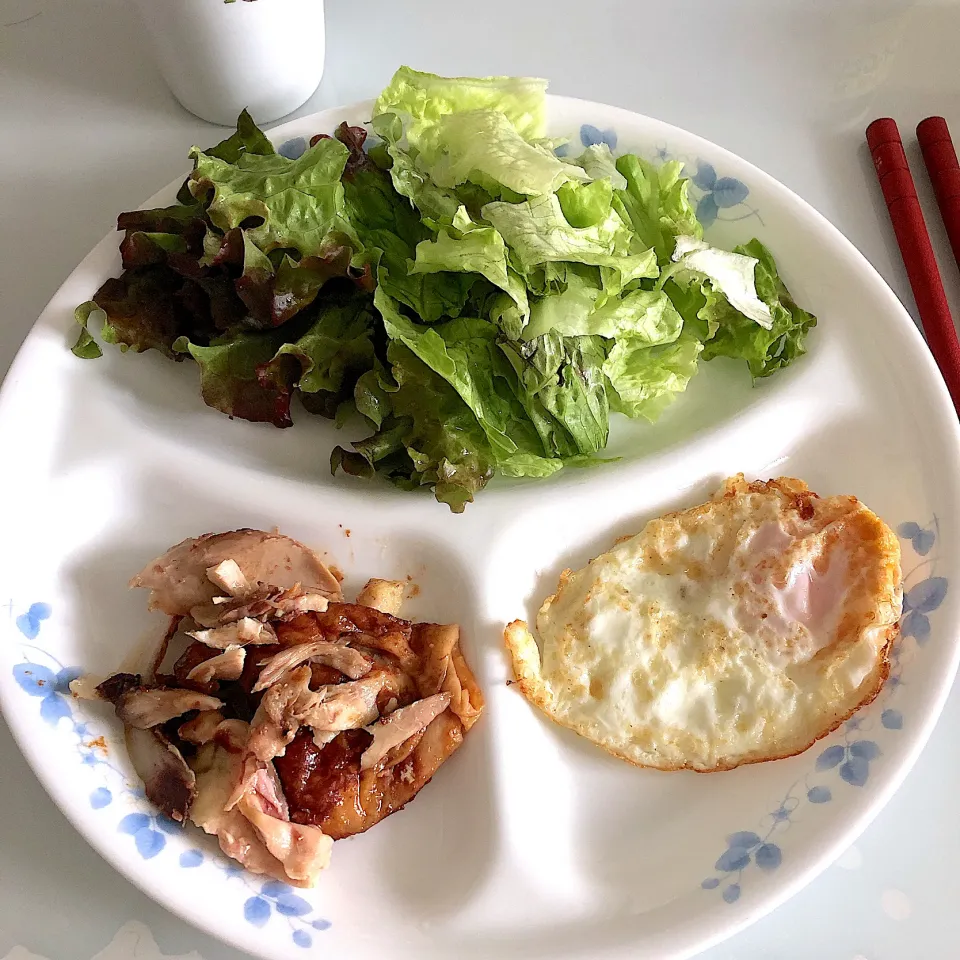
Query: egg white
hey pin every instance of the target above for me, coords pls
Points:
(740, 630)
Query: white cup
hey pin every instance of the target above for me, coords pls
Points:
(217, 58)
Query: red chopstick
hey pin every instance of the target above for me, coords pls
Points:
(941, 161)
(900, 193)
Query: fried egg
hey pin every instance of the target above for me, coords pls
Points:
(740, 630)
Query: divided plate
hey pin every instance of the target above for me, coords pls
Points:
(529, 842)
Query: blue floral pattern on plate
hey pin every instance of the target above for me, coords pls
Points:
(715, 197)
(590, 136)
(718, 194)
(849, 759)
(293, 149)
(41, 676)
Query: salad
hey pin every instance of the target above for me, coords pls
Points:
(483, 303)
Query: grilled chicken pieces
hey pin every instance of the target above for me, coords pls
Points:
(293, 718)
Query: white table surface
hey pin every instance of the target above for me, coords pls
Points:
(87, 129)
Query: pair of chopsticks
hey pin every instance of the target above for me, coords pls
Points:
(900, 193)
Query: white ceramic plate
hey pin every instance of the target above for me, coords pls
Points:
(529, 843)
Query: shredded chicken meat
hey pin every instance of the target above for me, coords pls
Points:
(202, 728)
(167, 780)
(351, 663)
(145, 707)
(291, 718)
(237, 633)
(224, 666)
(179, 581)
(326, 785)
(400, 725)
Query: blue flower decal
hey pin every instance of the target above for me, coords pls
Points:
(831, 757)
(892, 719)
(768, 856)
(53, 689)
(719, 193)
(274, 888)
(590, 136)
(293, 149)
(921, 599)
(921, 539)
(732, 893)
(853, 759)
(743, 848)
(64, 678)
(290, 905)
(736, 857)
(917, 625)
(100, 798)
(142, 827)
(256, 911)
(278, 897)
(29, 623)
(781, 814)
(37, 680)
(53, 709)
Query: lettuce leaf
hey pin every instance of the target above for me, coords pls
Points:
(299, 202)
(567, 310)
(389, 231)
(586, 204)
(431, 437)
(477, 249)
(645, 315)
(275, 294)
(451, 127)
(729, 273)
(600, 164)
(371, 394)
(483, 147)
(645, 379)
(764, 350)
(249, 138)
(434, 203)
(656, 202)
(149, 308)
(423, 99)
(537, 232)
(86, 347)
(464, 352)
(230, 377)
(482, 302)
(562, 389)
(583, 309)
(180, 219)
(334, 350)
